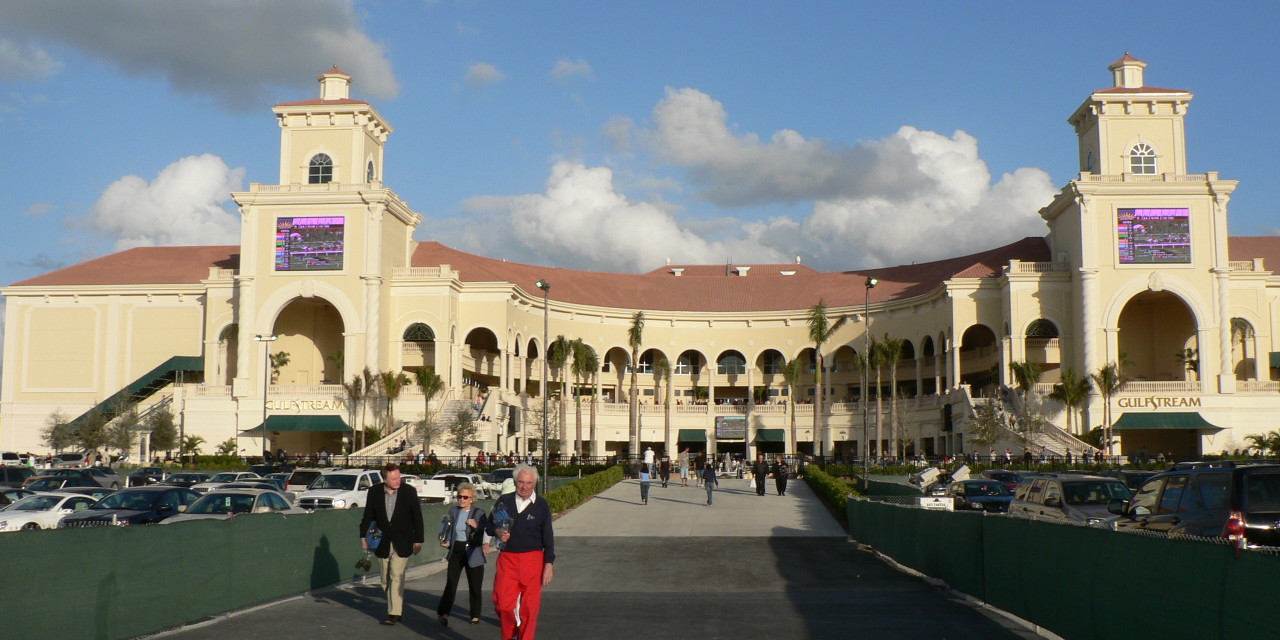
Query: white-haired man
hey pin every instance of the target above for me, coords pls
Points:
(528, 552)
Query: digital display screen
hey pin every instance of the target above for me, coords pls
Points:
(731, 427)
(1153, 236)
(309, 244)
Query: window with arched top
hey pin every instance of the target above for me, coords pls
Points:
(320, 169)
(1142, 159)
(418, 332)
(368, 172)
(731, 363)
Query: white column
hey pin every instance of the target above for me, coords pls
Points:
(372, 318)
(1226, 377)
(1090, 323)
(919, 376)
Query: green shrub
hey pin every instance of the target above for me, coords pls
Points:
(832, 491)
(574, 493)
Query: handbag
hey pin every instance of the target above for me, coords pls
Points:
(373, 537)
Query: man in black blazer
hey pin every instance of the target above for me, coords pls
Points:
(394, 507)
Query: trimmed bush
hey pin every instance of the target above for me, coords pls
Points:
(832, 491)
(574, 493)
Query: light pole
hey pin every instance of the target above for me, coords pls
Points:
(266, 379)
(546, 332)
(866, 364)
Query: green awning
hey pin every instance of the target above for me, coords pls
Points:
(1172, 420)
(1275, 358)
(692, 435)
(303, 423)
(771, 435)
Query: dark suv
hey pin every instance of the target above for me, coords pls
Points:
(1240, 503)
(1068, 497)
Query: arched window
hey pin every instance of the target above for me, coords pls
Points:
(1042, 328)
(1142, 159)
(731, 363)
(368, 172)
(418, 332)
(320, 170)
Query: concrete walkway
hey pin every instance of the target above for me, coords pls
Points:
(750, 566)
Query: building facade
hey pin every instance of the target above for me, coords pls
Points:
(1137, 270)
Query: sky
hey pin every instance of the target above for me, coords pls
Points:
(613, 136)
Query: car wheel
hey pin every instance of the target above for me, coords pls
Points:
(30, 526)
(354, 506)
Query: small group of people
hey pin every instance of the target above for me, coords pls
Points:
(707, 477)
(520, 521)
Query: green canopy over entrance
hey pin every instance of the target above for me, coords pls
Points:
(303, 423)
(771, 435)
(692, 435)
(1172, 420)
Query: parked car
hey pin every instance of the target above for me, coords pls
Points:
(1010, 479)
(143, 476)
(10, 495)
(42, 510)
(102, 476)
(1132, 478)
(266, 469)
(300, 479)
(222, 504)
(1240, 503)
(454, 478)
(185, 479)
(70, 460)
(139, 505)
(1068, 497)
(259, 483)
(220, 479)
(10, 459)
(344, 489)
(15, 476)
(97, 493)
(56, 483)
(980, 495)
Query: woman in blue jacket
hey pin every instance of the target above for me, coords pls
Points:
(463, 532)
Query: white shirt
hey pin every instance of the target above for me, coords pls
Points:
(521, 503)
(648, 456)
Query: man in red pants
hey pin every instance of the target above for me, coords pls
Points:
(522, 521)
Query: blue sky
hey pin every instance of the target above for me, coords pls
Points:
(613, 135)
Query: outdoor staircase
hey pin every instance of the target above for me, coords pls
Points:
(168, 372)
(1054, 439)
(446, 412)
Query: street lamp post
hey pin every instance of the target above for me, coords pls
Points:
(866, 363)
(266, 379)
(546, 332)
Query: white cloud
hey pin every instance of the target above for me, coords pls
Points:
(236, 51)
(483, 74)
(184, 205)
(25, 61)
(582, 221)
(38, 210)
(566, 68)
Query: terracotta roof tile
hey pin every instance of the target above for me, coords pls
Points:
(1250, 247)
(143, 265)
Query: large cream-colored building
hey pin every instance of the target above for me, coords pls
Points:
(1136, 268)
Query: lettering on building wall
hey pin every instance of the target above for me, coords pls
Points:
(1156, 402)
(300, 406)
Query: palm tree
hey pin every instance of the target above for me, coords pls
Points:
(392, 383)
(585, 364)
(791, 374)
(1026, 375)
(1071, 392)
(1109, 383)
(431, 385)
(558, 360)
(820, 330)
(635, 334)
(1266, 443)
(278, 361)
(353, 394)
(662, 371)
(891, 349)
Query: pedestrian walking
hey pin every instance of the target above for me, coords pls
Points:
(759, 470)
(462, 532)
(780, 475)
(644, 483)
(707, 476)
(522, 521)
(393, 506)
(683, 459)
(664, 469)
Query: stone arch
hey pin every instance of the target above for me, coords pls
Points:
(1244, 351)
(481, 362)
(979, 358)
(228, 347)
(689, 371)
(1158, 335)
(418, 346)
(614, 376)
(1042, 346)
(311, 331)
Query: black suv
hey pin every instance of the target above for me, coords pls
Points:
(1068, 497)
(1240, 503)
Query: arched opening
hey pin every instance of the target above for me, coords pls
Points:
(773, 387)
(531, 369)
(842, 377)
(979, 359)
(808, 382)
(615, 375)
(1157, 339)
(688, 376)
(929, 371)
(731, 377)
(481, 364)
(1043, 348)
(228, 347)
(419, 349)
(1244, 357)
(907, 371)
(653, 376)
(310, 334)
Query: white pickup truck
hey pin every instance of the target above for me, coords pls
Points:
(429, 490)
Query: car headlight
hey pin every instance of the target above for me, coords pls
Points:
(339, 503)
(4, 525)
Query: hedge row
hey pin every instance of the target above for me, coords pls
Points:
(832, 491)
(574, 493)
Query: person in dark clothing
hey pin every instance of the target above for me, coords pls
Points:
(707, 474)
(522, 521)
(394, 508)
(462, 532)
(780, 475)
(664, 469)
(760, 470)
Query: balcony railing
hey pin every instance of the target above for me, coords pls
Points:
(1160, 386)
(1159, 177)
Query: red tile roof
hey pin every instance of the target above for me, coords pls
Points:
(1250, 247)
(143, 265)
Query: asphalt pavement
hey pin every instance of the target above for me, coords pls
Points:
(749, 566)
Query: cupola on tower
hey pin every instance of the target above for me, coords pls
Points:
(1130, 127)
(332, 139)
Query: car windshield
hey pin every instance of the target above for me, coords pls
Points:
(985, 489)
(129, 500)
(46, 484)
(223, 477)
(222, 503)
(1005, 476)
(36, 503)
(334, 481)
(1262, 491)
(1095, 492)
(303, 478)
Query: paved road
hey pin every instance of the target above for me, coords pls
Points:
(748, 567)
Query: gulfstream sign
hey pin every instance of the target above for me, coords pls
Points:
(298, 406)
(1156, 402)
